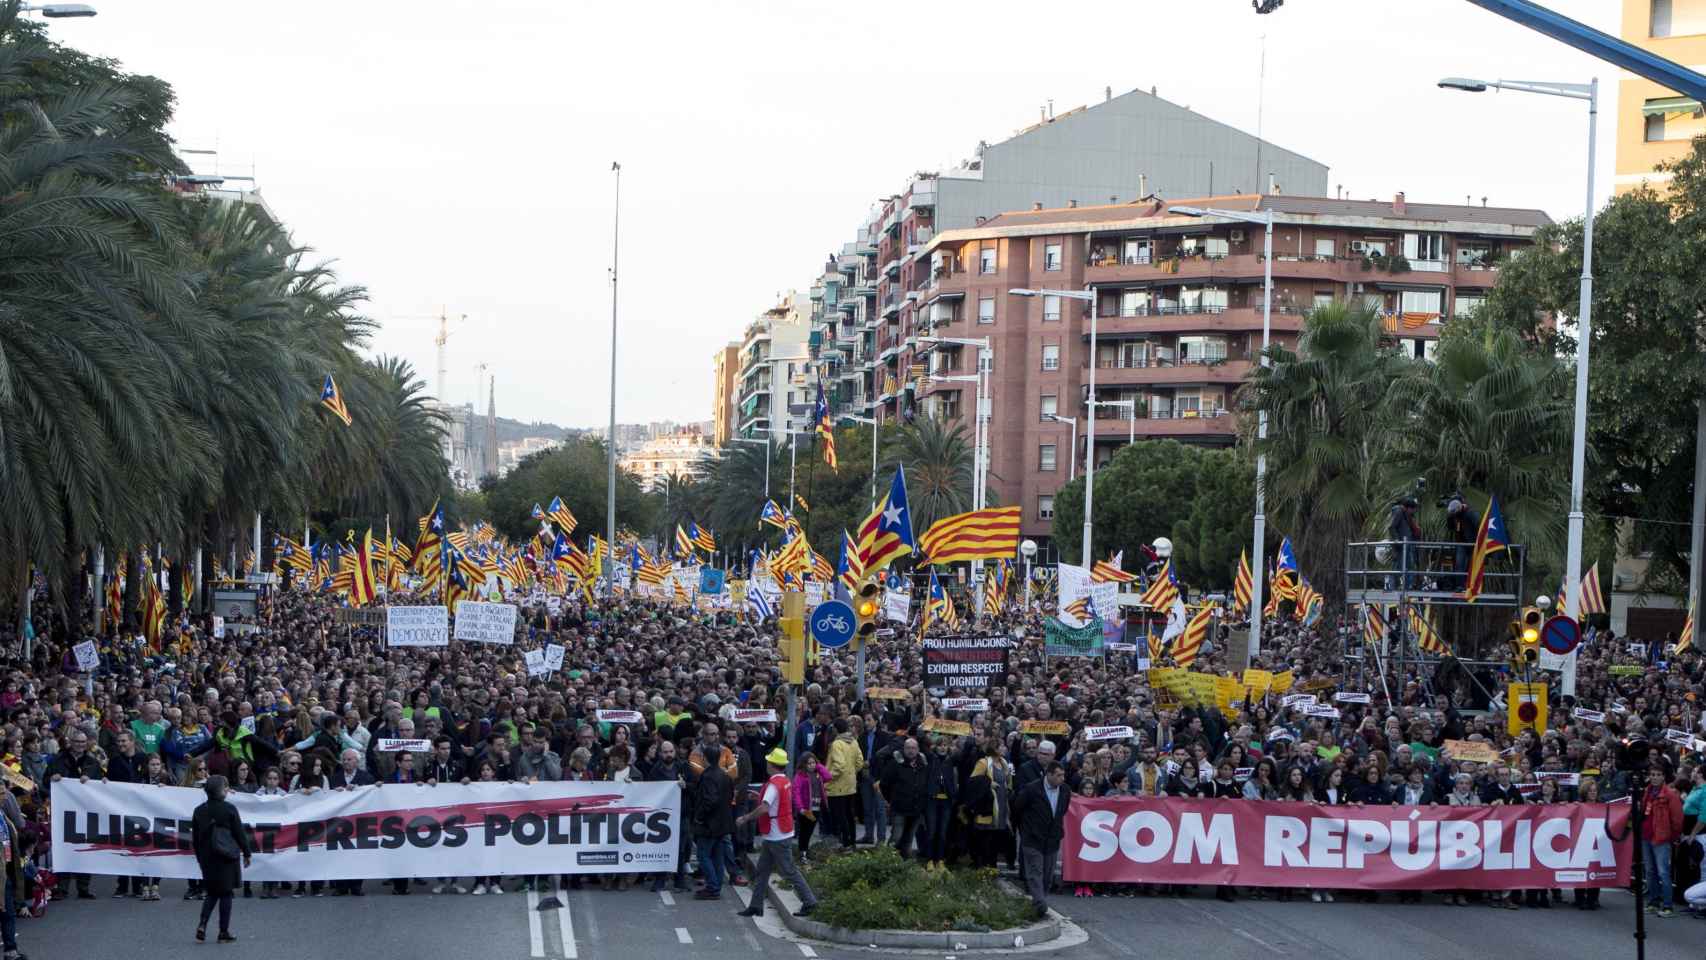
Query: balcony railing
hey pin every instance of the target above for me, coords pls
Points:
(1121, 413)
(1144, 363)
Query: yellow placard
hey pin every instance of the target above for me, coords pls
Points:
(1282, 682)
(887, 693)
(16, 779)
(1158, 677)
(957, 728)
(1226, 690)
(1472, 751)
(1202, 688)
(1259, 681)
(1047, 728)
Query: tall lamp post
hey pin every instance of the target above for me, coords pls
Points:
(1028, 550)
(610, 451)
(1584, 337)
(1072, 454)
(1131, 418)
(1088, 295)
(59, 11)
(1266, 220)
(980, 423)
(872, 422)
(766, 442)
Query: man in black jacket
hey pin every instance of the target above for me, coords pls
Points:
(77, 763)
(905, 788)
(1039, 811)
(126, 764)
(347, 774)
(669, 767)
(713, 827)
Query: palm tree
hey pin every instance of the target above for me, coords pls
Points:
(938, 461)
(1326, 435)
(736, 487)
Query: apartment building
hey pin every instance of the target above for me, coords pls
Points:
(1179, 306)
(725, 379)
(1124, 148)
(663, 459)
(775, 389)
(1655, 124)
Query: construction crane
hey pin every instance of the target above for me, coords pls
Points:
(439, 341)
(1606, 47)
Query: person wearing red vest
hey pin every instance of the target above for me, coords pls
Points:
(775, 816)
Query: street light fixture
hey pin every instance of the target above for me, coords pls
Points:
(60, 11)
(766, 442)
(1087, 295)
(1131, 421)
(1578, 441)
(980, 429)
(1266, 220)
(1072, 453)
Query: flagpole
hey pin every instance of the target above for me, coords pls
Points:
(610, 481)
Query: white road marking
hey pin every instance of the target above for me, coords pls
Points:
(535, 932)
(566, 927)
(806, 949)
(682, 935)
(668, 898)
(1255, 939)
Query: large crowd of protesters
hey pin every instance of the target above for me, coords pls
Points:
(301, 702)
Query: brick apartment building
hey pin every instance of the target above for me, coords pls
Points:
(1179, 301)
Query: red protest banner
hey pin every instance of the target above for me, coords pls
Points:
(1261, 844)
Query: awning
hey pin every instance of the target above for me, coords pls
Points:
(1670, 105)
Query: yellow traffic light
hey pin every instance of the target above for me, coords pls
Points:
(866, 607)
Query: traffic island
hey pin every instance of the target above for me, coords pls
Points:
(875, 898)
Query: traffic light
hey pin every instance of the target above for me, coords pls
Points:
(866, 607)
(1525, 707)
(792, 644)
(1525, 636)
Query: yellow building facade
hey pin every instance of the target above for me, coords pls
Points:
(1655, 124)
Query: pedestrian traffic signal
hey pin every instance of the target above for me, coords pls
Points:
(866, 607)
(791, 646)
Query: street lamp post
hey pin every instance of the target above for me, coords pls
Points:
(610, 452)
(1028, 550)
(1072, 454)
(59, 11)
(1266, 220)
(980, 425)
(1131, 420)
(1088, 295)
(872, 421)
(1584, 339)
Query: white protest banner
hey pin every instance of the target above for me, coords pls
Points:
(1117, 647)
(1591, 716)
(390, 745)
(535, 660)
(897, 605)
(87, 657)
(755, 716)
(1679, 736)
(417, 626)
(1564, 779)
(968, 704)
(1297, 699)
(553, 657)
(620, 716)
(1074, 583)
(398, 830)
(218, 628)
(479, 622)
(1108, 733)
(1320, 710)
(554, 605)
(1351, 697)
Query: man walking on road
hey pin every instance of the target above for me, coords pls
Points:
(1040, 812)
(713, 826)
(775, 816)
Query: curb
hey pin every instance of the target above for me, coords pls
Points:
(947, 940)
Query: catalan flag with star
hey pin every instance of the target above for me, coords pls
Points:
(1111, 570)
(1490, 539)
(332, 400)
(825, 427)
(886, 535)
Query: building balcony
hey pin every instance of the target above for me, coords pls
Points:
(891, 306)
(1474, 275)
(1115, 426)
(1162, 268)
(1111, 373)
(892, 268)
(1188, 319)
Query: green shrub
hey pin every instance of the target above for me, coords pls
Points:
(878, 890)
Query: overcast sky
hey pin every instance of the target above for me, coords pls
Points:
(459, 154)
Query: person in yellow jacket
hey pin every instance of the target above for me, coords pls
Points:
(845, 762)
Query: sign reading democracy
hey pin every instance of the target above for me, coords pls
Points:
(398, 830)
(417, 626)
(1266, 844)
(479, 622)
(1060, 640)
(965, 663)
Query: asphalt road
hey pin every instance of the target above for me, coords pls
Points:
(638, 925)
